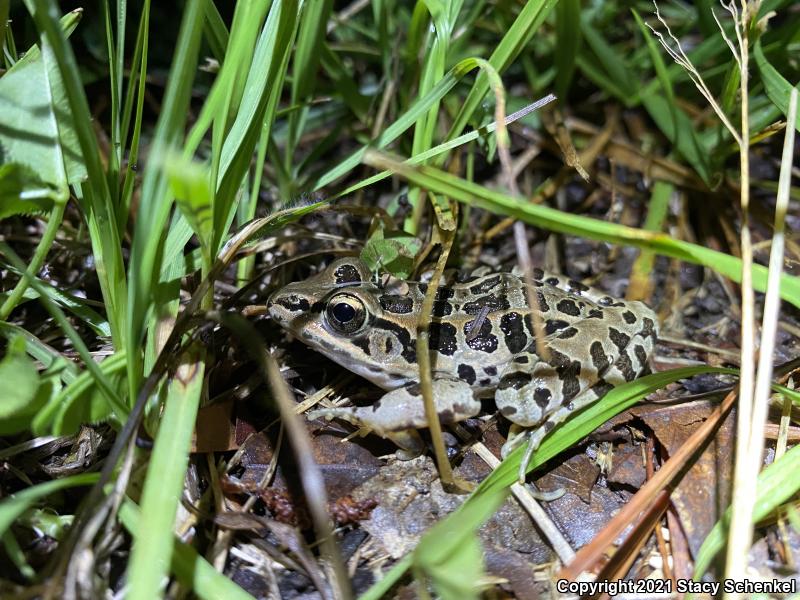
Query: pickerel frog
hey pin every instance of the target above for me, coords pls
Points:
(481, 344)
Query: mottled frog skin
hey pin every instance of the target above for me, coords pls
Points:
(481, 344)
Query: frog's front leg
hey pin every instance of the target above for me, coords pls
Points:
(399, 413)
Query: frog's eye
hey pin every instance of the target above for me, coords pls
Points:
(345, 313)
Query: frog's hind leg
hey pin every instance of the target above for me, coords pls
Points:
(399, 413)
(539, 394)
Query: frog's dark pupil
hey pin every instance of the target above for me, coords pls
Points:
(343, 312)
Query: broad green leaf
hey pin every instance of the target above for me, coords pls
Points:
(36, 125)
(35, 129)
(392, 251)
(22, 192)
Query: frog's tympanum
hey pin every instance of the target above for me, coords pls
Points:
(481, 344)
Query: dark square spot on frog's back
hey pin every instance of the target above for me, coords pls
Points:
(486, 285)
(511, 324)
(347, 274)
(466, 373)
(443, 338)
(398, 305)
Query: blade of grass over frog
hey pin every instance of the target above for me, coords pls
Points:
(163, 485)
(530, 17)
(58, 57)
(665, 479)
(102, 381)
(403, 123)
(776, 86)
(454, 143)
(775, 485)
(16, 504)
(154, 209)
(473, 194)
(190, 569)
(562, 437)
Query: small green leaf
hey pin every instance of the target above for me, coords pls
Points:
(19, 381)
(46, 521)
(189, 183)
(393, 251)
(16, 504)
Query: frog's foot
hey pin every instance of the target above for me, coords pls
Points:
(399, 413)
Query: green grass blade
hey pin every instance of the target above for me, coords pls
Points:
(216, 33)
(527, 23)
(191, 569)
(155, 201)
(568, 43)
(616, 69)
(60, 62)
(404, 122)
(107, 387)
(775, 485)
(306, 59)
(777, 87)
(542, 216)
(41, 351)
(163, 485)
(258, 106)
(672, 121)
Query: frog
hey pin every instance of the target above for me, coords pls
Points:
(482, 345)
